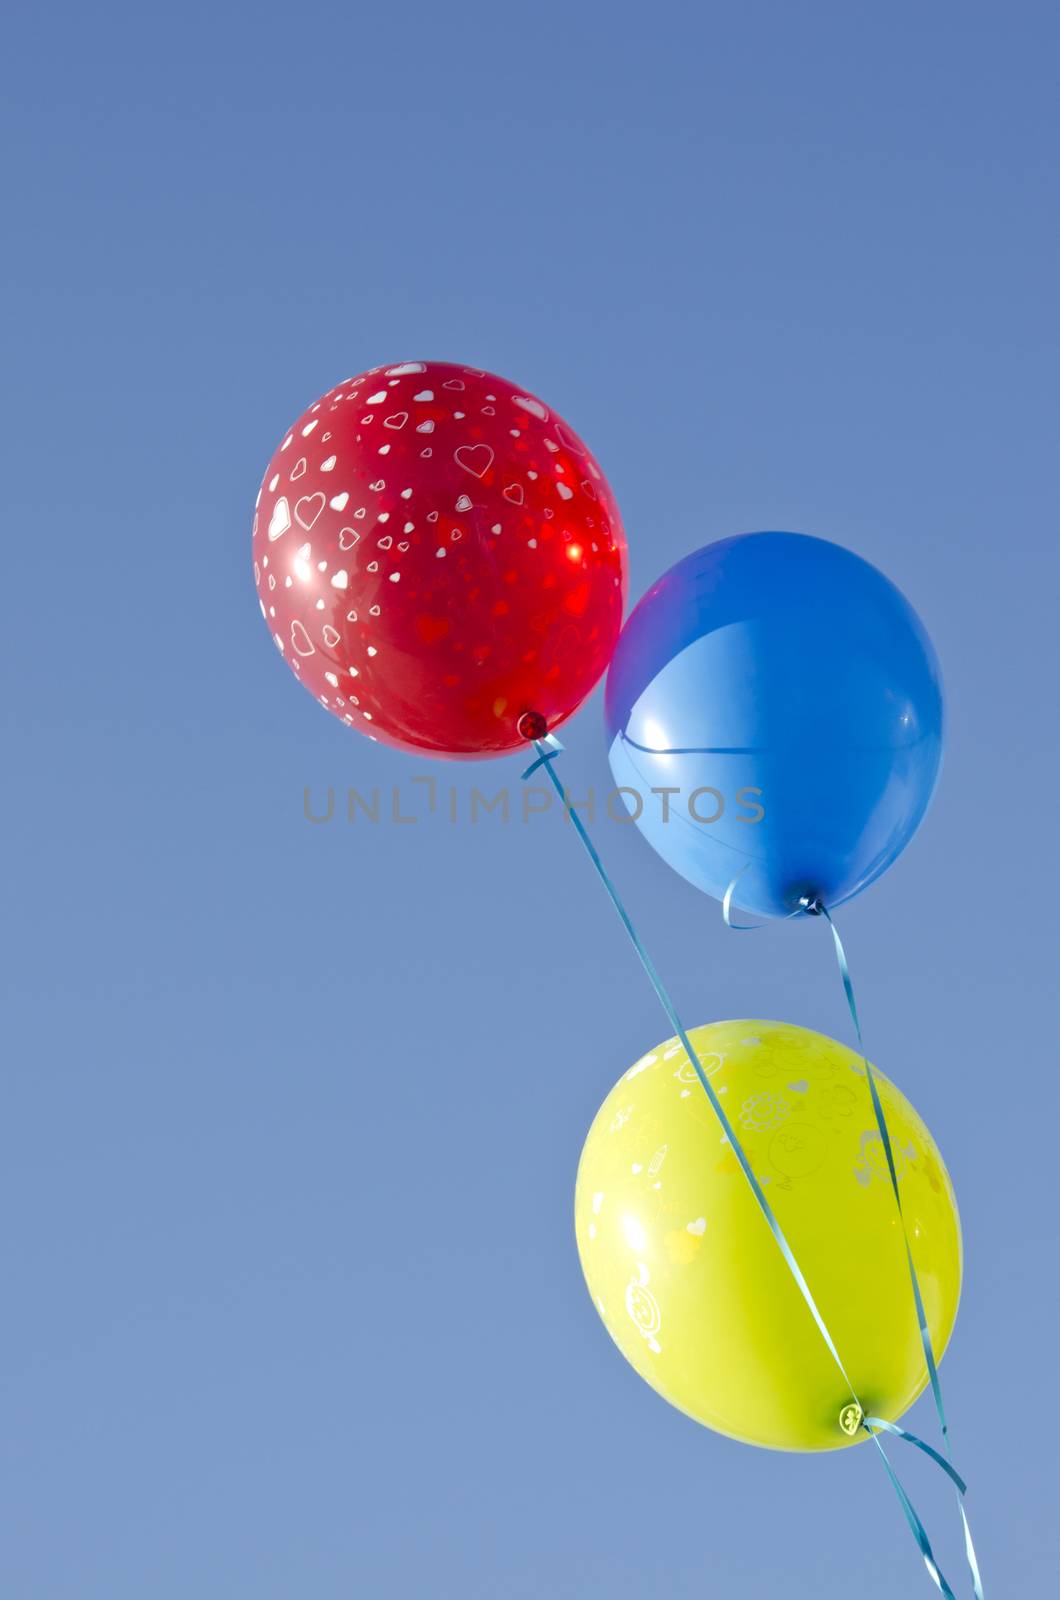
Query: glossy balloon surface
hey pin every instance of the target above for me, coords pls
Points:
(437, 553)
(787, 697)
(689, 1280)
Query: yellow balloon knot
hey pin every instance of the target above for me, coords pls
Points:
(851, 1418)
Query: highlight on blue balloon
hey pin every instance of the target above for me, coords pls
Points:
(775, 716)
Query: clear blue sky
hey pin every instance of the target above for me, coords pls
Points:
(292, 1113)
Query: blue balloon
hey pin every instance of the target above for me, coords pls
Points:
(774, 711)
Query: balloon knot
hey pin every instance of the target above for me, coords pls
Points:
(812, 904)
(850, 1419)
(532, 725)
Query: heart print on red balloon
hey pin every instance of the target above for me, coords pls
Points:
(437, 554)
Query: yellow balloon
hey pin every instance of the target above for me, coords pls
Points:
(686, 1274)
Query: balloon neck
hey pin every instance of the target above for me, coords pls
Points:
(532, 725)
(851, 1418)
(812, 904)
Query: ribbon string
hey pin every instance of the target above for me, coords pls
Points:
(546, 751)
(918, 1298)
(812, 906)
(869, 1423)
(749, 927)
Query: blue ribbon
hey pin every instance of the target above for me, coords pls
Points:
(911, 1438)
(918, 1299)
(811, 906)
(748, 927)
(546, 750)
(917, 1528)
(545, 758)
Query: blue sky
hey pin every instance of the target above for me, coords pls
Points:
(292, 1114)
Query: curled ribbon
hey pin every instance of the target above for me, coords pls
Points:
(918, 1299)
(547, 749)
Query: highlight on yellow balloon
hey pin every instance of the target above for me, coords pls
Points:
(686, 1274)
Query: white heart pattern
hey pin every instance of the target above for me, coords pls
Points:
(565, 437)
(281, 519)
(474, 458)
(533, 406)
(301, 641)
(308, 509)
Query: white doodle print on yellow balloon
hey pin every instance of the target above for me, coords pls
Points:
(643, 1309)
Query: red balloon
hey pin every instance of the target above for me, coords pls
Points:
(439, 558)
